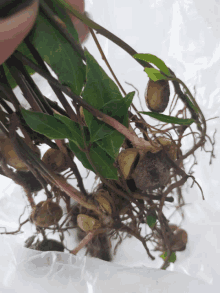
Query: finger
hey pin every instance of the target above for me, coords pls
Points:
(15, 28)
(81, 28)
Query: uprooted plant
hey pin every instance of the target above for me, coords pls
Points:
(139, 165)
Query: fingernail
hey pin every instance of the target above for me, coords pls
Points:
(10, 7)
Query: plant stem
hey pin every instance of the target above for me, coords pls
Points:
(33, 162)
(83, 243)
(136, 141)
(102, 31)
(112, 72)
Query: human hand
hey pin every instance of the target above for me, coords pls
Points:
(15, 25)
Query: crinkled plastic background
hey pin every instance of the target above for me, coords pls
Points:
(185, 34)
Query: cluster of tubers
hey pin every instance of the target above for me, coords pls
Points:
(86, 221)
(148, 169)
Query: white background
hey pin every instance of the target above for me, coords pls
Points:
(185, 35)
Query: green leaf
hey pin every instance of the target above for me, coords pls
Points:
(101, 160)
(169, 119)
(24, 50)
(129, 98)
(59, 9)
(154, 60)
(112, 143)
(118, 109)
(154, 74)
(172, 257)
(46, 124)
(74, 128)
(80, 155)
(100, 88)
(59, 54)
(151, 220)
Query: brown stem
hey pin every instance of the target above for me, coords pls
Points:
(83, 243)
(6, 89)
(13, 64)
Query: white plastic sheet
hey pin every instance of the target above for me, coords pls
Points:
(185, 34)
(25, 270)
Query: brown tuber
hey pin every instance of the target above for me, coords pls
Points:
(169, 146)
(178, 239)
(49, 245)
(103, 197)
(46, 213)
(99, 246)
(157, 95)
(56, 160)
(87, 223)
(12, 159)
(151, 171)
(127, 160)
